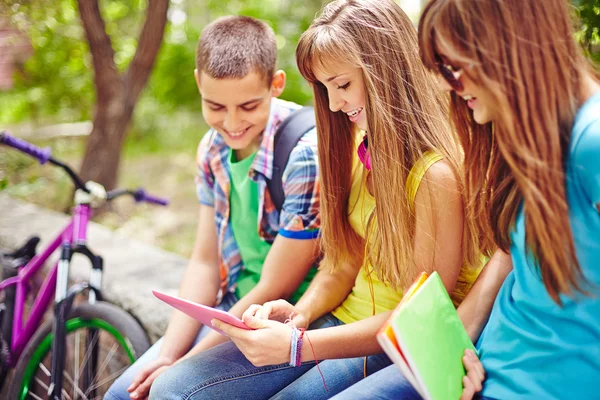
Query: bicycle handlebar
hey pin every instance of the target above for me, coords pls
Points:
(139, 195)
(43, 155)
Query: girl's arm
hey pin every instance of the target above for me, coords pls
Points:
(475, 309)
(438, 240)
(327, 290)
(288, 261)
(439, 213)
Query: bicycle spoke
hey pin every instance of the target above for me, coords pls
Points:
(88, 352)
(64, 393)
(108, 378)
(42, 384)
(45, 370)
(76, 388)
(35, 396)
(76, 363)
(112, 351)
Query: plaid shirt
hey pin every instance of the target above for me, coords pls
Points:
(299, 217)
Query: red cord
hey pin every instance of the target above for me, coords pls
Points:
(290, 322)
(316, 361)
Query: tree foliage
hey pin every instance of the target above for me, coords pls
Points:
(589, 34)
(56, 84)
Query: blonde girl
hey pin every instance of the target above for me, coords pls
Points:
(526, 105)
(380, 226)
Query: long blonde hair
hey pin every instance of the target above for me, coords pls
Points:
(525, 55)
(406, 116)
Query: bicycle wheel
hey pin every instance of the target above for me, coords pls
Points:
(7, 304)
(102, 329)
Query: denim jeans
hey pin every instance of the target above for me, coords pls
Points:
(118, 390)
(224, 373)
(386, 384)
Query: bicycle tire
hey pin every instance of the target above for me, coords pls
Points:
(6, 322)
(103, 316)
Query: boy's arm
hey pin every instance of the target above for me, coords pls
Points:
(200, 284)
(295, 249)
(475, 309)
(285, 267)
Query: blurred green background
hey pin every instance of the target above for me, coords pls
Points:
(52, 83)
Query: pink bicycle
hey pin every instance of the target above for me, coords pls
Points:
(87, 345)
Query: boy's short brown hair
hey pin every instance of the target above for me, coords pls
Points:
(234, 46)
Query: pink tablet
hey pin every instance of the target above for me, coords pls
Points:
(201, 312)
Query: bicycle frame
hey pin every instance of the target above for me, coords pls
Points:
(72, 240)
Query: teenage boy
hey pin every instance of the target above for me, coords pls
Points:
(247, 251)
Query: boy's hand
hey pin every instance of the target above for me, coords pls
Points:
(278, 310)
(268, 344)
(473, 381)
(140, 387)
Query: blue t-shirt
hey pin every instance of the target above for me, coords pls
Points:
(531, 348)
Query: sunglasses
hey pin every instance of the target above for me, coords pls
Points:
(451, 75)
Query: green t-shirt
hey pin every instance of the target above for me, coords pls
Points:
(244, 224)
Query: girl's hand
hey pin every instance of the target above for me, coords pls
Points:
(473, 382)
(268, 344)
(278, 310)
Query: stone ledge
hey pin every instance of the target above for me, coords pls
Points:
(131, 268)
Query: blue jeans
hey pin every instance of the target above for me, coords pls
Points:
(118, 390)
(224, 373)
(386, 384)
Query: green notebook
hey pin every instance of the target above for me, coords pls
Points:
(432, 340)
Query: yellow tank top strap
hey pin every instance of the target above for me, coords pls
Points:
(417, 172)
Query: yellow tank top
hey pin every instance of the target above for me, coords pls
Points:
(359, 304)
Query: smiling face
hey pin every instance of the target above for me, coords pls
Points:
(478, 98)
(346, 91)
(239, 108)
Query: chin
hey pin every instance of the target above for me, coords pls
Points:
(481, 119)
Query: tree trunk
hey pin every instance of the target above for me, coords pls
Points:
(103, 149)
(116, 95)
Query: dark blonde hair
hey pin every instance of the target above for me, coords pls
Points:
(523, 52)
(234, 46)
(406, 116)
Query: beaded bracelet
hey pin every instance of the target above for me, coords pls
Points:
(296, 347)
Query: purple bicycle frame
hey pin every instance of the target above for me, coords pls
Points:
(74, 233)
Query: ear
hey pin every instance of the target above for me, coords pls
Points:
(197, 78)
(278, 83)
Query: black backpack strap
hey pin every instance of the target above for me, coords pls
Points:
(286, 138)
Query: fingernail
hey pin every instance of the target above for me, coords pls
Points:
(134, 395)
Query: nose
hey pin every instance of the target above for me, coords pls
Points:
(336, 103)
(232, 121)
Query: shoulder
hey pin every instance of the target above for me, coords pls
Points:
(586, 143)
(284, 107)
(305, 151)
(585, 136)
(440, 184)
(441, 173)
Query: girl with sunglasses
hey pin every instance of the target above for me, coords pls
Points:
(391, 207)
(526, 105)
